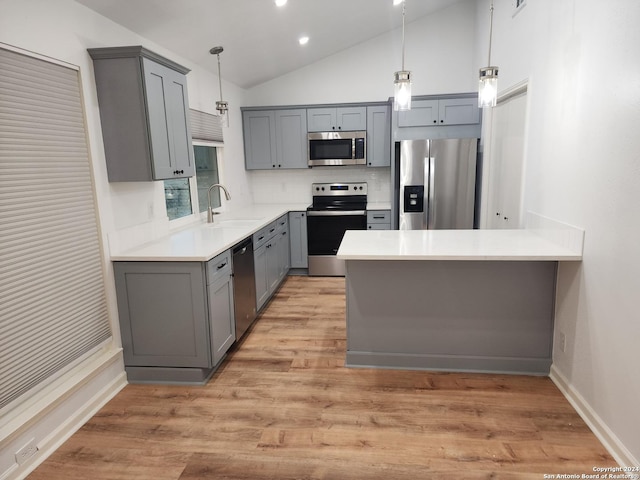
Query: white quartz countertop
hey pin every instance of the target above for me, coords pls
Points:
(201, 241)
(514, 245)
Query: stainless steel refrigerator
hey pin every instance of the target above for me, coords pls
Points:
(435, 183)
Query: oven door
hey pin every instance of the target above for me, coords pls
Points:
(325, 230)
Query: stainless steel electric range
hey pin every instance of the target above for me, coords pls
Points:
(336, 208)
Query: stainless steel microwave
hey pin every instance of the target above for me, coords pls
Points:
(337, 148)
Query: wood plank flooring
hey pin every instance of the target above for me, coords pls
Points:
(284, 407)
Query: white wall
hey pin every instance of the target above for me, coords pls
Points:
(63, 30)
(440, 52)
(583, 168)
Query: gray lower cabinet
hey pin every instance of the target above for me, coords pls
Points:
(275, 139)
(222, 326)
(298, 239)
(144, 113)
(271, 258)
(378, 219)
(379, 136)
(176, 318)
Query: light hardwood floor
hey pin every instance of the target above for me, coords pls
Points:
(284, 407)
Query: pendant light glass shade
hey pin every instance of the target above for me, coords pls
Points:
(488, 87)
(402, 91)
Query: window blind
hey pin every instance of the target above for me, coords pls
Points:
(205, 126)
(52, 299)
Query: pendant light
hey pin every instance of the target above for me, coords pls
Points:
(402, 82)
(221, 106)
(488, 88)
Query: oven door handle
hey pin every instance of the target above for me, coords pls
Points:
(336, 213)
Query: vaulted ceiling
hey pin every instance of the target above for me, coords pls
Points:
(260, 40)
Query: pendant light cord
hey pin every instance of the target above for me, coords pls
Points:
(219, 77)
(403, 3)
(490, 31)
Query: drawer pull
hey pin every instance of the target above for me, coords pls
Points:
(222, 265)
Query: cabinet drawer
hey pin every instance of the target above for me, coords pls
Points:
(282, 223)
(379, 216)
(264, 234)
(218, 267)
(379, 226)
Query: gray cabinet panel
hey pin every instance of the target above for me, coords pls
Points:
(352, 118)
(221, 317)
(176, 318)
(259, 140)
(327, 119)
(467, 315)
(378, 219)
(298, 239)
(163, 314)
(321, 119)
(262, 275)
(271, 258)
(291, 138)
(143, 111)
(446, 111)
(379, 136)
(459, 111)
(423, 113)
(275, 139)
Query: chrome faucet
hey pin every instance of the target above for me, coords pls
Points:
(210, 210)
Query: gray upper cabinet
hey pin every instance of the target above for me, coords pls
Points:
(259, 139)
(275, 139)
(379, 136)
(144, 112)
(327, 119)
(450, 111)
(291, 138)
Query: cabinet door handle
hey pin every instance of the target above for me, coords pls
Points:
(222, 265)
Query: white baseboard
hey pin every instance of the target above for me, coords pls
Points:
(66, 414)
(600, 429)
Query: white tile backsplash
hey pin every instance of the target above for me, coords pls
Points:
(286, 186)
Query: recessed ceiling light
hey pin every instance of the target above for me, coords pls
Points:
(281, 3)
(395, 2)
(303, 40)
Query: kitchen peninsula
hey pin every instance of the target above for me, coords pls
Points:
(464, 300)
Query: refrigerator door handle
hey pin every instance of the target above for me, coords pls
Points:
(431, 216)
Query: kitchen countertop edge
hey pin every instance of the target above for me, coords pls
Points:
(460, 245)
(200, 242)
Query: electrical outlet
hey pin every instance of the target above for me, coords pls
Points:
(562, 341)
(26, 452)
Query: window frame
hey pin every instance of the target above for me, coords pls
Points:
(196, 214)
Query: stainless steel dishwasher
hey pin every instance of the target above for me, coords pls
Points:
(244, 286)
